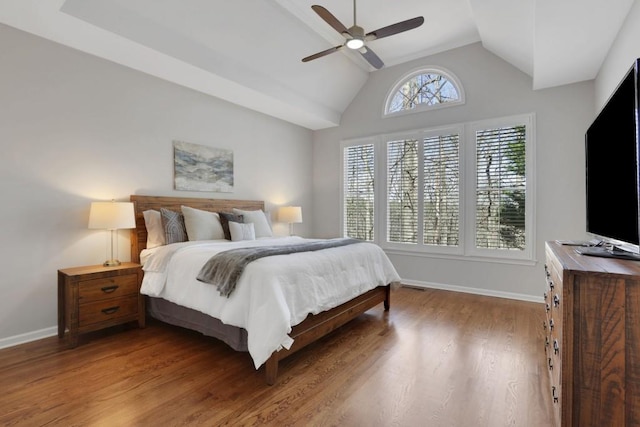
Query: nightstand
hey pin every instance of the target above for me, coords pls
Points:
(96, 297)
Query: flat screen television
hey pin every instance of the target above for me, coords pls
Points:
(612, 173)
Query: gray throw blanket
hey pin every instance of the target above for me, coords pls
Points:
(225, 268)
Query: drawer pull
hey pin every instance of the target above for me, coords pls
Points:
(551, 324)
(556, 300)
(109, 289)
(556, 347)
(550, 364)
(111, 310)
(547, 308)
(553, 393)
(551, 285)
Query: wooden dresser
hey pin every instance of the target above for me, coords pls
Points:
(592, 338)
(96, 297)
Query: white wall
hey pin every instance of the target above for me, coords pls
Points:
(76, 129)
(624, 51)
(493, 89)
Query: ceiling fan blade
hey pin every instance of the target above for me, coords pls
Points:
(396, 28)
(330, 19)
(321, 54)
(371, 57)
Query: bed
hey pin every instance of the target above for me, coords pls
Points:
(259, 328)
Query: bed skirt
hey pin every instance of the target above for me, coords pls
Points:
(177, 315)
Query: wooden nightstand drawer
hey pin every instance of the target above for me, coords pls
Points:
(106, 310)
(107, 287)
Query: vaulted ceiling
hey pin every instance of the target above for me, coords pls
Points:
(249, 51)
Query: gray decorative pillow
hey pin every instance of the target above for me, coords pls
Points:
(173, 224)
(225, 217)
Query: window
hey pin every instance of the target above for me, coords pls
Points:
(358, 200)
(423, 89)
(442, 190)
(430, 203)
(501, 188)
(439, 198)
(402, 191)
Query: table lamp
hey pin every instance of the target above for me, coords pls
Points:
(290, 214)
(112, 216)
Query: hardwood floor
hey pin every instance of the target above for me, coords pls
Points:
(437, 358)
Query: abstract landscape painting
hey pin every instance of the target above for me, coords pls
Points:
(202, 168)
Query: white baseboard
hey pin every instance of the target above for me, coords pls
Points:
(28, 337)
(476, 291)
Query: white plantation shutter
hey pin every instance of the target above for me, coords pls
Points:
(501, 188)
(358, 192)
(464, 190)
(441, 161)
(432, 164)
(402, 191)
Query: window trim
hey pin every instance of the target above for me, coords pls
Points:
(422, 107)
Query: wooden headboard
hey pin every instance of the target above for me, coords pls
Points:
(143, 203)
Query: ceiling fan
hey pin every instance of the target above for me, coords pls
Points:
(356, 39)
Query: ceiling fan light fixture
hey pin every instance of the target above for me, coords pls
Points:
(356, 37)
(355, 43)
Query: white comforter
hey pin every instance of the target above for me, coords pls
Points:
(274, 293)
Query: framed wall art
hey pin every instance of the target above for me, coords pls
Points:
(202, 168)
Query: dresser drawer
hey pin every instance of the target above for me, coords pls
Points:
(106, 310)
(554, 307)
(107, 287)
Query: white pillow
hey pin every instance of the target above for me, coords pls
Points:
(155, 230)
(240, 231)
(259, 220)
(202, 225)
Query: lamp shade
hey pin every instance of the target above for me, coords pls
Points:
(112, 215)
(290, 214)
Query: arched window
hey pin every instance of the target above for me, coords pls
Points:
(424, 89)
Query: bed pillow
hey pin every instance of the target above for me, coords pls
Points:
(240, 231)
(155, 231)
(259, 220)
(173, 224)
(201, 224)
(225, 218)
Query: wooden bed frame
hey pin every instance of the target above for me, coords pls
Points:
(313, 327)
